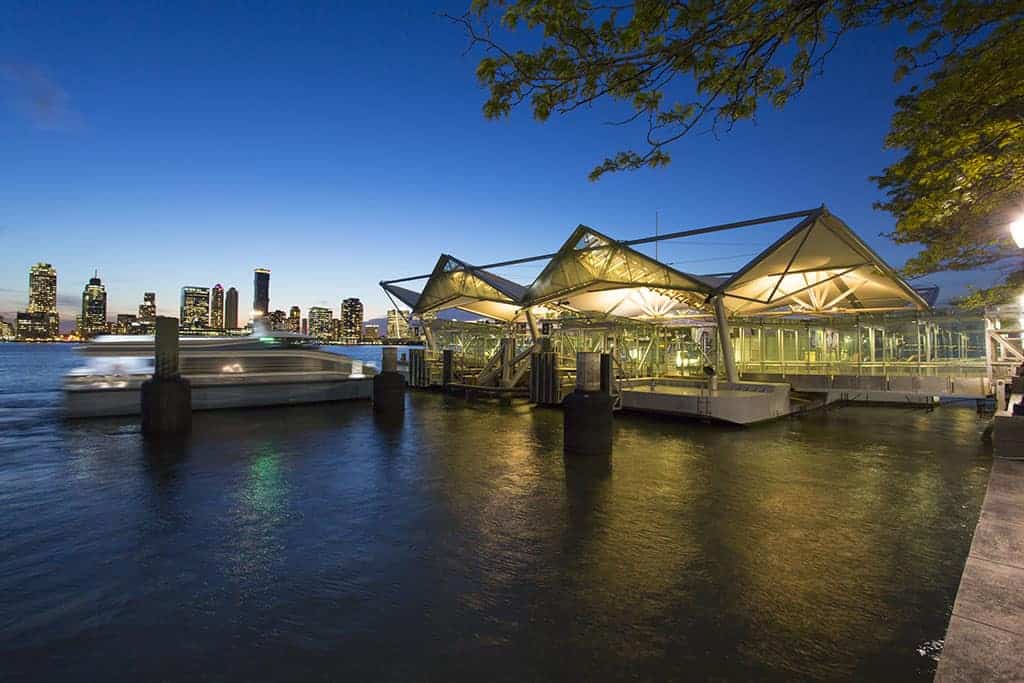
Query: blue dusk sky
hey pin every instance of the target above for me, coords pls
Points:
(171, 144)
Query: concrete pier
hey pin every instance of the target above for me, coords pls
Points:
(388, 384)
(167, 396)
(985, 637)
(545, 380)
(587, 419)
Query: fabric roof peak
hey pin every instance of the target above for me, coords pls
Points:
(819, 266)
(595, 273)
(454, 283)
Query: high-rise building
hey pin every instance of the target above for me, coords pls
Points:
(294, 319)
(398, 327)
(42, 289)
(42, 297)
(128, 323)
(7, 332)
(195, 308)
(305, 326)
(276, 321)
(147, 309)
(371, 332)
(351, 320)
(217, 307)
(93, 319)
(260, 292)
(32, 326)
(231, 309)
(321, 323)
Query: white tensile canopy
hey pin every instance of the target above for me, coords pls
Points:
(595, 274)
(818, 267)
(456, 284)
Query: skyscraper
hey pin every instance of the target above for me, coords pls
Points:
(276, 321)
(260, 292)
(231, 309)
(217, 307)
(398, 328)
(351, 320)
(7, 332)
(147, 309)
(42, 298)
(93, 319)
(34, 326)
(127, 323)
(42, 289)
(321, 323)
(195, 308)
(294, 319)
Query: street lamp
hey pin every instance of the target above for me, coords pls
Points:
(1017, 231)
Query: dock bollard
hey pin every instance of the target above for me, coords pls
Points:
(167, 396)
(388, 384)
(587, 420)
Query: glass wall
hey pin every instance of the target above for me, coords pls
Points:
(939, 343)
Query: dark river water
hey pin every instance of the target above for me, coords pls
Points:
(318, 543)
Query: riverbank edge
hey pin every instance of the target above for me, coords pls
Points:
(985, 637)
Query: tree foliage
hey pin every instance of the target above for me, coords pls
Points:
(1007, 291)
(960, 181)
(707, 64)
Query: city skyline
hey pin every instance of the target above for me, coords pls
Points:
(200, 309)
(342, 170)
(70, 306)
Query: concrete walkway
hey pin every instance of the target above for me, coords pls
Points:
(985, 638)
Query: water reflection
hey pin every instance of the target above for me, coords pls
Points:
(458, 541)
(164, 455)
(389, 426)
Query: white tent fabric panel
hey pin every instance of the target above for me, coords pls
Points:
(590, 265)
(637, 303)
(820, 266)
(488, 309)
(456, 284)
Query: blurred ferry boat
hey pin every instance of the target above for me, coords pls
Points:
(266, 369)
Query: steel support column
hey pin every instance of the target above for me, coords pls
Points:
(532, 323)
(724, 341)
